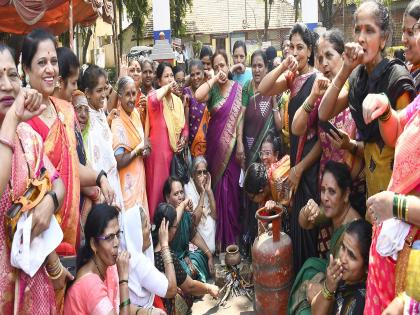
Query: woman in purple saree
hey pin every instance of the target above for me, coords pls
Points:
(224, 101)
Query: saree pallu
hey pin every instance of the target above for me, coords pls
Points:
(127, 132)
(258, 121)
(198, 122)
(180, 246)
(304, 241)
(19, 293)
(224, 170)
(298, 304)
(99, 151)
(381, 282)
(61, 148)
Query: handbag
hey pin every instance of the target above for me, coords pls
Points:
(36, 189)
(179, 167)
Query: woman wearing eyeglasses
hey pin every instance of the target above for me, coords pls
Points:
(199, 191)
(101, 285)
(411, 26)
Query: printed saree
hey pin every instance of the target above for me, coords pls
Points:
(298, 304)
(19, 293)
(393, 79)
(381, 283)
(258, 121)
(127, 132)
(198, 122)
(180, 246)
(99, 151)
(60, 147)
(224, 170)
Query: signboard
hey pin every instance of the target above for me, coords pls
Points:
(310, 13)
(265, 45)
(161, 19)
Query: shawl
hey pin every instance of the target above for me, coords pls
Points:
(175, 119)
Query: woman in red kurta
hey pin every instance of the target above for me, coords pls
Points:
(168, 132)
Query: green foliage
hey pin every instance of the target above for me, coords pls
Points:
(178, 11)
(137, 11)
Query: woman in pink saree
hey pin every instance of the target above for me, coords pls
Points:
(387, 276)
(224, 99)
(22, 157)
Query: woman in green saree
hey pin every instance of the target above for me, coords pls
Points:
(332, 218)
(198, 264)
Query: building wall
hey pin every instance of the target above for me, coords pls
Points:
(397, 9)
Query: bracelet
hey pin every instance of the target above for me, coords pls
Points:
(327, 293)
(395, 206)
(122, 282)
(58, 275)
(404, 208)
(386, 115)
(307, 107)
(98, 179)
(125, 303)
(8, 144)
(53, 269)
(206, 251)
(53, 195)
(406, 212)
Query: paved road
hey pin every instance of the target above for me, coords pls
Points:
(235, 306)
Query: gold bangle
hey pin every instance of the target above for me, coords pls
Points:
(55, 277)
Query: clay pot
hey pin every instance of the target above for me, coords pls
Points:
(232, 257)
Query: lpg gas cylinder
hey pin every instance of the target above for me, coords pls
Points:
(272, 265)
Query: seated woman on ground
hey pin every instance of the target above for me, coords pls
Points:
(102, 277)
(199, 191)
(198, 264)
(189, 287)
(344, 289)
(331, 218)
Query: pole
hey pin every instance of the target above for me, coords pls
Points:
(115, 33)
(71, 33)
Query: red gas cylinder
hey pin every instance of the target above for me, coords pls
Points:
(272, 265)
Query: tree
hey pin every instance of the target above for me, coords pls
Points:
(178, 11)
(326, 8)
(137, 11)
(267, 17)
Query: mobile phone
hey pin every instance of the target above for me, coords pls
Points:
(327, 127)
(69, 262)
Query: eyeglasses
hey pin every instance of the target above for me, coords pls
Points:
(416, 28)
(265, 153)
(110, 237)
(201, 172)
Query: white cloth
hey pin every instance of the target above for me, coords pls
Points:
(145, 280)
(100, 153)
(392, 237)
(29, 256)
(207, 225)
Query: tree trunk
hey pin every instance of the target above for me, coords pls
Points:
(120, 29)
(86, 45)
(266, 20)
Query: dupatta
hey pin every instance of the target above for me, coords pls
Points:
(175, 120)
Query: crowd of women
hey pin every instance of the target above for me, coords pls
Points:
(145, 182)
